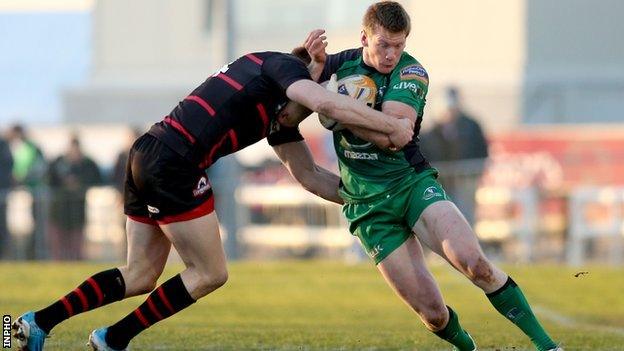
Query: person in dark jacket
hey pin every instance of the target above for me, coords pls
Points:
(456, 135)
(6, 181)
(70, 176)
(457, 146)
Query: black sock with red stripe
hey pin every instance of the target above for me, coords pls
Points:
(167, 300)
(99, 290)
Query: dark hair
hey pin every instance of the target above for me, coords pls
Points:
(18, 129)
(389, 15)
(74, 139)
(301, 53)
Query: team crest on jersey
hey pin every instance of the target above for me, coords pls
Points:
(415, 71)
(430, 193)
(201, 187)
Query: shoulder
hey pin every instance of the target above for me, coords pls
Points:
(409, 68)
(285, 69)
(469, 121)
(280, 58)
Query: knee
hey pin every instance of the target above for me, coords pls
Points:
(435, 317)
(139, 280)
(480, 270)
(211, 281)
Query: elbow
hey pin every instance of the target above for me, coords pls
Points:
(306, 179)
(327, 108)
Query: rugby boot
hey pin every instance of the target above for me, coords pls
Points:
(27, 333)
(97, 341)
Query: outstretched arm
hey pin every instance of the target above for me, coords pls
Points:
(298, 160)
(350, 111)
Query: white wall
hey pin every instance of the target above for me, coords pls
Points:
(514, 60)
(574, 61)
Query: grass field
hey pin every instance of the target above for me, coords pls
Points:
(320, 305)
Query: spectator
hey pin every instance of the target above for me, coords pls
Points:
(70, 175)
(29, 166)
(456, 135)
(6, 181)
(457, 142)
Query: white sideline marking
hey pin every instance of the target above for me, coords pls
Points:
(572, 323)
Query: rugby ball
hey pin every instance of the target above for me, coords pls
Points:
(357, 86)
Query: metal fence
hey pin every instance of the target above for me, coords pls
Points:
(283, 220)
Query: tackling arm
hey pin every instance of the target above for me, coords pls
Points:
(392, 108)
(350, 111)
(298, 160)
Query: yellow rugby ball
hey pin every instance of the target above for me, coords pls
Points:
(357, 86)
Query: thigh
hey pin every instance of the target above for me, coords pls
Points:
(405, 271)
(445, 231)
(148, 250)
(198, 243)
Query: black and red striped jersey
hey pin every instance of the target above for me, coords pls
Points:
(234, 108)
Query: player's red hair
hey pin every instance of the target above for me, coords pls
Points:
(389, 15)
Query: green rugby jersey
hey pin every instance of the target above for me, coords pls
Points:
(367, 172)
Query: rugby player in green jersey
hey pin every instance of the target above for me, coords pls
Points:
(393, 201)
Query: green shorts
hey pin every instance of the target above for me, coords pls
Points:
(384, 224)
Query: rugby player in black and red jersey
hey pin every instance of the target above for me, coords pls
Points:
(168, 199)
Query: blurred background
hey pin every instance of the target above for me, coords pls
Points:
(524, 120)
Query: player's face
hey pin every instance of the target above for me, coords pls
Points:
(383, 49)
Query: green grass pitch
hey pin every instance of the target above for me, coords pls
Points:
(321, 305)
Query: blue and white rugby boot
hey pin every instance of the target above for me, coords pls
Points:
(27, 333)
(97, 341)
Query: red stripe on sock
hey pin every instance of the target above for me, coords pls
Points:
(141, 318)
(203, 104)
(83, 299)
(68, 306)
(98, 291)
(254, 58)
(153, 308)
(165, 300)
(236, 85)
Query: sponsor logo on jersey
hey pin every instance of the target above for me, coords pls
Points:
(152, 209)
(430, 193)
(415, 72)
(202, 187)
(409, 85)
(375, 251)
(360, 155)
